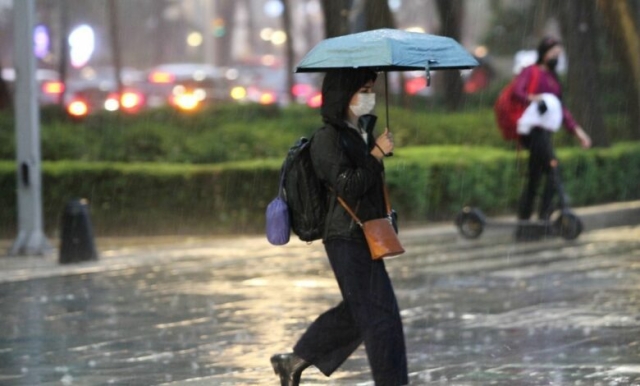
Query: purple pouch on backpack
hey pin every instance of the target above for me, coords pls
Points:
(278, 227)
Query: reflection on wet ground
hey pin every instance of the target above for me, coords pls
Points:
(487, 312)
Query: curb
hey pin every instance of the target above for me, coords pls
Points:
(123, 254)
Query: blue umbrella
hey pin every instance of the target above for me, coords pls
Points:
(388, 50)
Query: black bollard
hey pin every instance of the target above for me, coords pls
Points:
(77, 242)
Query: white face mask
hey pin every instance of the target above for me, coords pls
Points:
(366, 103)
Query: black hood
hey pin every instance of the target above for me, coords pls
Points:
(338, 88)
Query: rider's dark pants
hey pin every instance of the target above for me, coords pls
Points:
(541, 155)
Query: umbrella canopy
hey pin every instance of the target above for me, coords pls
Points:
(387, 50)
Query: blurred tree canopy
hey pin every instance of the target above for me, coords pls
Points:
(451, 12)
(512, 27)
(621, 19)
(580, 30)
(601, 35)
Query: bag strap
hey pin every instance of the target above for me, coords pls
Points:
(387, 202)
(533, 84)
(348, 209)
(352, 213)
(281, 186)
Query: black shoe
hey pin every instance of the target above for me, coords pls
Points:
(289, 368)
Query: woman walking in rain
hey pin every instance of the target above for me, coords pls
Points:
(542, 159)
(348, 158)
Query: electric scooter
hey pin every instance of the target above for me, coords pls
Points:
(471, 222)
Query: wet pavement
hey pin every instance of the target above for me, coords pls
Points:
(212, 311)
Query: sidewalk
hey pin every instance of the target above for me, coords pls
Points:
(128, 252)
(177, 311)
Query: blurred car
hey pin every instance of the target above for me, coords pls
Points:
(49, 85)
(186, 86)
(474, 80)
(94, 89)
(268, 85)
(415, 83)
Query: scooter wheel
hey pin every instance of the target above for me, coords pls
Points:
(470, 223)
(569, 226)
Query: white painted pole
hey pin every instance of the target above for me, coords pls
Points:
(31, 239)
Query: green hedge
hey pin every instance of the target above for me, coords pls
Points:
(443, 179)
(240, 132)
(146, 199)
(426, 183)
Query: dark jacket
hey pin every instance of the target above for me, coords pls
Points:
(343, 162)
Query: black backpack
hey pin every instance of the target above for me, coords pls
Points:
(305, 194)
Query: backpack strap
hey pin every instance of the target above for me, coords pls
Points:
(531, 88)
(535, 79)
(283, 169)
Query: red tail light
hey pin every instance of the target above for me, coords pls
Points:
(267, 98)
(186, 101)
(53, 88)
(161, 77)
(414, 85)
(315, 101)
(131, 100)
(301, 89)
(78, 108)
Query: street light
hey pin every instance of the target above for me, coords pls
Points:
(82, 44)
(278, 38)
(194, 39)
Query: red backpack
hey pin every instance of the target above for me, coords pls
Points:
(508, 109)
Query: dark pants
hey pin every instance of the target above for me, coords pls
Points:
(541, 155)
(368, 313)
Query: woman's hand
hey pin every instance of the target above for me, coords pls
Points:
(384, 145)
(585, 140)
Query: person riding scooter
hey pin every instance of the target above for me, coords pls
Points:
(542, 159)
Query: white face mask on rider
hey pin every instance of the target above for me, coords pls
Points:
(365, 105)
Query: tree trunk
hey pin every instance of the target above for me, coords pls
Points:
(625, 42)
(378, 15)
(580, 32)
(226, 9)
(253, 40)
(542, 11)
(336, 17)
(116, 49)
(116, 52)
(290, 54)
(451, 12)
(64, 48)
(5, 95)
